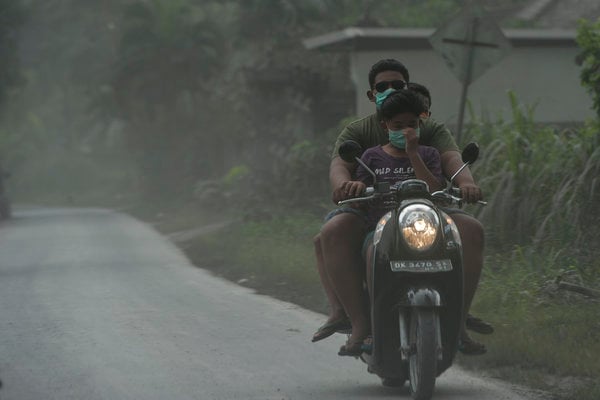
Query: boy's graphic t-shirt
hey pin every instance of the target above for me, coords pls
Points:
(369, 132)
(392, 169)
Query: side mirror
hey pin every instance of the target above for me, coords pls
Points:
(470, 153)
(349, 151)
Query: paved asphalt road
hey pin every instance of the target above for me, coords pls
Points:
(96, 305)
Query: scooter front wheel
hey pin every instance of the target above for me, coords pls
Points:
(423, 352)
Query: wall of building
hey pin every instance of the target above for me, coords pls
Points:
(544, 77)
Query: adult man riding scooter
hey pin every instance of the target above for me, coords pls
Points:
(338, 244)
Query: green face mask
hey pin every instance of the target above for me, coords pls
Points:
(397, 138)
(380, 97)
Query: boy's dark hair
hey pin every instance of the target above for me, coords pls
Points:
(420, 89)
(388, 64)
(402, 101)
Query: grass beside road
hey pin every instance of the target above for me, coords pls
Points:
(545, 338)
(274, 257)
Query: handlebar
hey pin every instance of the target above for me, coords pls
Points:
(369, 194)
(456, 193)
(451, 195)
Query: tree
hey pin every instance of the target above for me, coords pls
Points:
(588, 38)
(168, 53)
(12, 15)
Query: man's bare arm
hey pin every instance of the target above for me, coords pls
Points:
(340, 178)
(451, 162)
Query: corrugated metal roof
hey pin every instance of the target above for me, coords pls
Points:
(559, 14)
(359, 38)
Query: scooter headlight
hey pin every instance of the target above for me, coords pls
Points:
(419, 225)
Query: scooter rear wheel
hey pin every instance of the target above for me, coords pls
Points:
(423, 353)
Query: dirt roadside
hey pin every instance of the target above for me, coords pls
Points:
(313, 298)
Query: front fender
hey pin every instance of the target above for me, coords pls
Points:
(424, 297)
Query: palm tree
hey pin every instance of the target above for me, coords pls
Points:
(165, 50)
(169, 52)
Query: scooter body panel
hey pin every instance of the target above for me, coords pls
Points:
(401, 291)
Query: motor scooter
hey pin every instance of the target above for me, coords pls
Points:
(416, 298)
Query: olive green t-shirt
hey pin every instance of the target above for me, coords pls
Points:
(368, 132)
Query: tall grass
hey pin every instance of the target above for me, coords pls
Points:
(541, 181)
(541, 221)
(543, 337)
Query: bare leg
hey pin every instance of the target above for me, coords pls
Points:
(341, 240)
(369, 270)
(472, 237)
(336, 310)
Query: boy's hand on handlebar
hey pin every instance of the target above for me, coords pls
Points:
(470, 192)
(348, 190)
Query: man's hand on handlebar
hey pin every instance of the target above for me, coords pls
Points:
(470, 192)
(348, 190)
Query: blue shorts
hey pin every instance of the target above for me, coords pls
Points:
(359, 213)
(356, 211)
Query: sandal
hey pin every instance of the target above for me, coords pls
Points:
(478, 325)
(332, 327)
(367, 345)
(351, 349)
(470, 347)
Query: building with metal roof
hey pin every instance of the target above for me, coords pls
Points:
(541, 69)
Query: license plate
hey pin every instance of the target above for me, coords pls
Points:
(421, 266)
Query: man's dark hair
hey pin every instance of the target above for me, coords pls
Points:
(388, 64)
(420, 89)
(402, 101)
